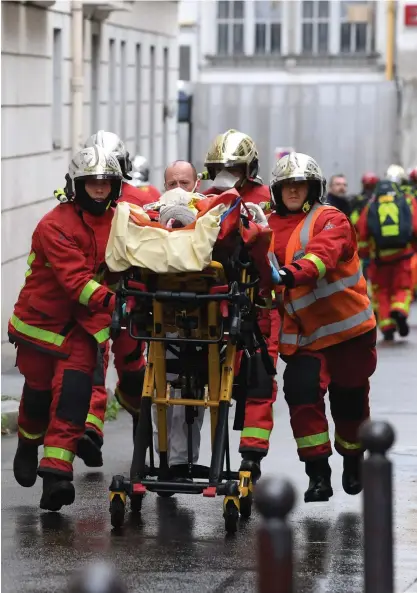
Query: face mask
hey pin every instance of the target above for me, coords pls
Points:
(225, 181)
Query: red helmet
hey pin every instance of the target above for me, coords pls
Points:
(413, 175)
(369, 179)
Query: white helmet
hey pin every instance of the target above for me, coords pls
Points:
(95, 162)
(112, 143)
(396, 174)
(140, 170)
(297, 166)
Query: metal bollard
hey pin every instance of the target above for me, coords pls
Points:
(377, 438)
(274, 498)
(98, 577)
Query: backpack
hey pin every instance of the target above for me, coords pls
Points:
(390, 218)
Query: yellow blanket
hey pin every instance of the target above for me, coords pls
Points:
(160, 250)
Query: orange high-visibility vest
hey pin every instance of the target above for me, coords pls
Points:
(336, 309)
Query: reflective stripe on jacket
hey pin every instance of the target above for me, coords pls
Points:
(335, 309)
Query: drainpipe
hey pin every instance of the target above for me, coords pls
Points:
(389, 68)
(77, 81)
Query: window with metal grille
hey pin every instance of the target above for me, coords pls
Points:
(315, 25)
(268, 15)
(356, 26)
(230, 27)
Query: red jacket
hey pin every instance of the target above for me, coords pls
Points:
(367, 244)
(250, 192)
(140, 196)
(68, 248)
(334, 239)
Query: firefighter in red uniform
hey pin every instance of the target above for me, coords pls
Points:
(128, 353)
(232, 161)
(387, 228)
(60, 321)
(328, 331)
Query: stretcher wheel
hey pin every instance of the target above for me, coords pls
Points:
(231, 516)
(117, 511)
(246, 506)
(136, 503)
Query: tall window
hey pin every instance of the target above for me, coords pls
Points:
(267, 27)
(315, 26)
(112, 82)
(230, 25)
(123, 68)
(57, 90)
(138, 85)
(356, 26)
(95, 78)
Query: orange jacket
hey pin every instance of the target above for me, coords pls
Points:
(68, 248)
(366, 243)
(328, 303)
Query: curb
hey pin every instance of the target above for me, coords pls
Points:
(9, 414)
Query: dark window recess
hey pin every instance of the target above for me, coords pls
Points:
(307, 37)
(237, 39)
(361, 37)
(275, 38)
(260, 38)
(308, 9)
(345, 37)
(223, 9)
(323, 37)
(222, 39)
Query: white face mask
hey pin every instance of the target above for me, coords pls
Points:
(225, 180)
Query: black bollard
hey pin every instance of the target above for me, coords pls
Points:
(274, 499)
(98, 577)
(377, 438)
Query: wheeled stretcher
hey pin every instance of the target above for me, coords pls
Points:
(212, 314)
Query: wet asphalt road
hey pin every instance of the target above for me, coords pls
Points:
(179, 544)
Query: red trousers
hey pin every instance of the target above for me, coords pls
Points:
(55, 400)
(391, 291)
(130, 366)
(343, 370)
(259, 421)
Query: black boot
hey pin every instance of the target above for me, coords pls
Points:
(25, 464)
(351, 478)
(402, 324)
(57, 492)
(388, 335)
(251, 462)
(89, 448)
(320, 487)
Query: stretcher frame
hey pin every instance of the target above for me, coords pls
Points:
(236, 300)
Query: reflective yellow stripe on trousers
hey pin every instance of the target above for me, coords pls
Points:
(255, 433)
(58, 453)
(313, 440)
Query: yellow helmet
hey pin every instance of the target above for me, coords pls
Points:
(232, 149)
